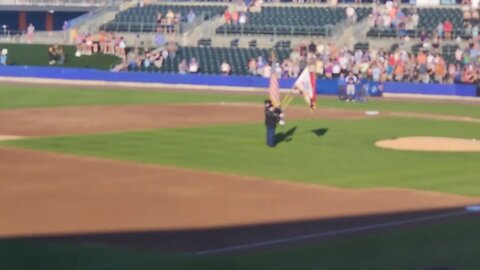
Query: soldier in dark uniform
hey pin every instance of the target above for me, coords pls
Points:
(273, 116)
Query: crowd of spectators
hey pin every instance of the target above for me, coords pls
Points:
(101, 42)
(391, 16)
(428, 65)
(143, 57)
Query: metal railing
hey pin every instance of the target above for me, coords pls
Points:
(279, 30)
(92, 15)
(180, 28)
(413, 33)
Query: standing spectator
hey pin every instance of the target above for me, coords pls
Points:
(170, 20)
(191, 16)
(225, 68)
(65, 31)
(30, 31)
(235, 17)
(440, 70)
(351, 15)
(475, 32)
(3, 57)
(228, 16)
(440, 30)
(448, 28)
(243, 18)
(312, 47)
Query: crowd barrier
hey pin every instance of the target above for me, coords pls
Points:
(324, 86)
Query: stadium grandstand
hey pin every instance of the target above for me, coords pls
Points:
(381, 41)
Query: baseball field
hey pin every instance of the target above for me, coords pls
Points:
(162, 179)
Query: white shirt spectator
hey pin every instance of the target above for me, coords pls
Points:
(458, 54)
(242, 19)
(225, 68)
(387, 21)
(350, 11)
(267, 71)
(336, 68)
(164, 54)
(193, 66)
(474, 4)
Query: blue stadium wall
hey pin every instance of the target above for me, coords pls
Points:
(326, 87)
(13, 19)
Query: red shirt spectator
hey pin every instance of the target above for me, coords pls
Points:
(447, 26)
(228, 16)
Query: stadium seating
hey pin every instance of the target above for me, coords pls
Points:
(428, 20)
(143, 19)
(210, 59)
(291, 21)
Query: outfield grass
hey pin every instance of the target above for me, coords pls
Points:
(44, 96)
(345, 156)
(452, 244)
(37, 55)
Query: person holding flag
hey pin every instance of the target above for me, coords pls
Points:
(305, 85)
(273, 110)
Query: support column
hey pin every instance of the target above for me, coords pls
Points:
(49, 22)
(22, 21)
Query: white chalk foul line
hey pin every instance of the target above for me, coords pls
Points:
(330, 233)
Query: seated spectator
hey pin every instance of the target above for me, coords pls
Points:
(51, 55)
(267, 71)
(260, 65)
(193, 65)
(59, 55)
(225, 68)
(3, 57)
(252, 66)
(183, 67)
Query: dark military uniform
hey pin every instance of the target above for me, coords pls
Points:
(272, 117)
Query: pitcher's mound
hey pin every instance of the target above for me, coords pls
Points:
(440, 144)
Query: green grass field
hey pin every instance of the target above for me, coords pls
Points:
(335, 153)
(12, 97)
(345, 156)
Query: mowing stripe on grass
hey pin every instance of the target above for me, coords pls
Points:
(331, 233)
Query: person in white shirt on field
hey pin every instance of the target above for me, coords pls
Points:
(351, 81)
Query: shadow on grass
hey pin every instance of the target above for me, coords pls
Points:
(320, 131)
(285, 136)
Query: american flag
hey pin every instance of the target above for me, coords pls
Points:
(274, 90)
